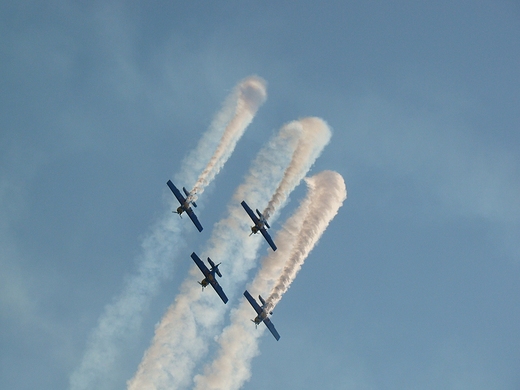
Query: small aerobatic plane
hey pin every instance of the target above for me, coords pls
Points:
(210, 275)
(260, 224)
(262, 314)
(185, 204)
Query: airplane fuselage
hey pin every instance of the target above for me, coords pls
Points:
(207, 280)
(259, 318)
(183, 208)
(259, 226)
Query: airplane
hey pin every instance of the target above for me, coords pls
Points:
(185, 204)
(262, 314)
(260, 224)
(210, 276)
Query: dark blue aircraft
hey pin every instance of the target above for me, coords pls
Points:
(185, 204)
(262, 314)
(260, 224)
(210, 275)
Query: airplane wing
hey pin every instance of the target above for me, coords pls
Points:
(268, 238)
(271, 327)
(253, 303)
(176, 192)
(194, 219)
(250, 212)
(200, 264)
(219, 290)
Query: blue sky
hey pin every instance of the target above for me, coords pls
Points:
(415, 282)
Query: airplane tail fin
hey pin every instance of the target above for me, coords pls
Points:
(262, 218)
(188, 196)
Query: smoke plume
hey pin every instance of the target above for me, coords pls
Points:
(122, 318)
(315, 132)
(183, 335)
(239, 341)
(247, 97)
(328, 193)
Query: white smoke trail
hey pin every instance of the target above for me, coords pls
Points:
(122, 318)
(238, 346)
(178, 340)
(316, 131)
(247, 97)
(239, 341)
(182, 336)
(329, 193)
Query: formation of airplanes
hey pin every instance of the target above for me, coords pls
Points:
(260, 225)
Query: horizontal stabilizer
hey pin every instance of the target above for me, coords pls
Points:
(214, 267)
(188, 197)
(263, 219)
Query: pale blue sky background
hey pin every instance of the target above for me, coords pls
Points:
(415, 285)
